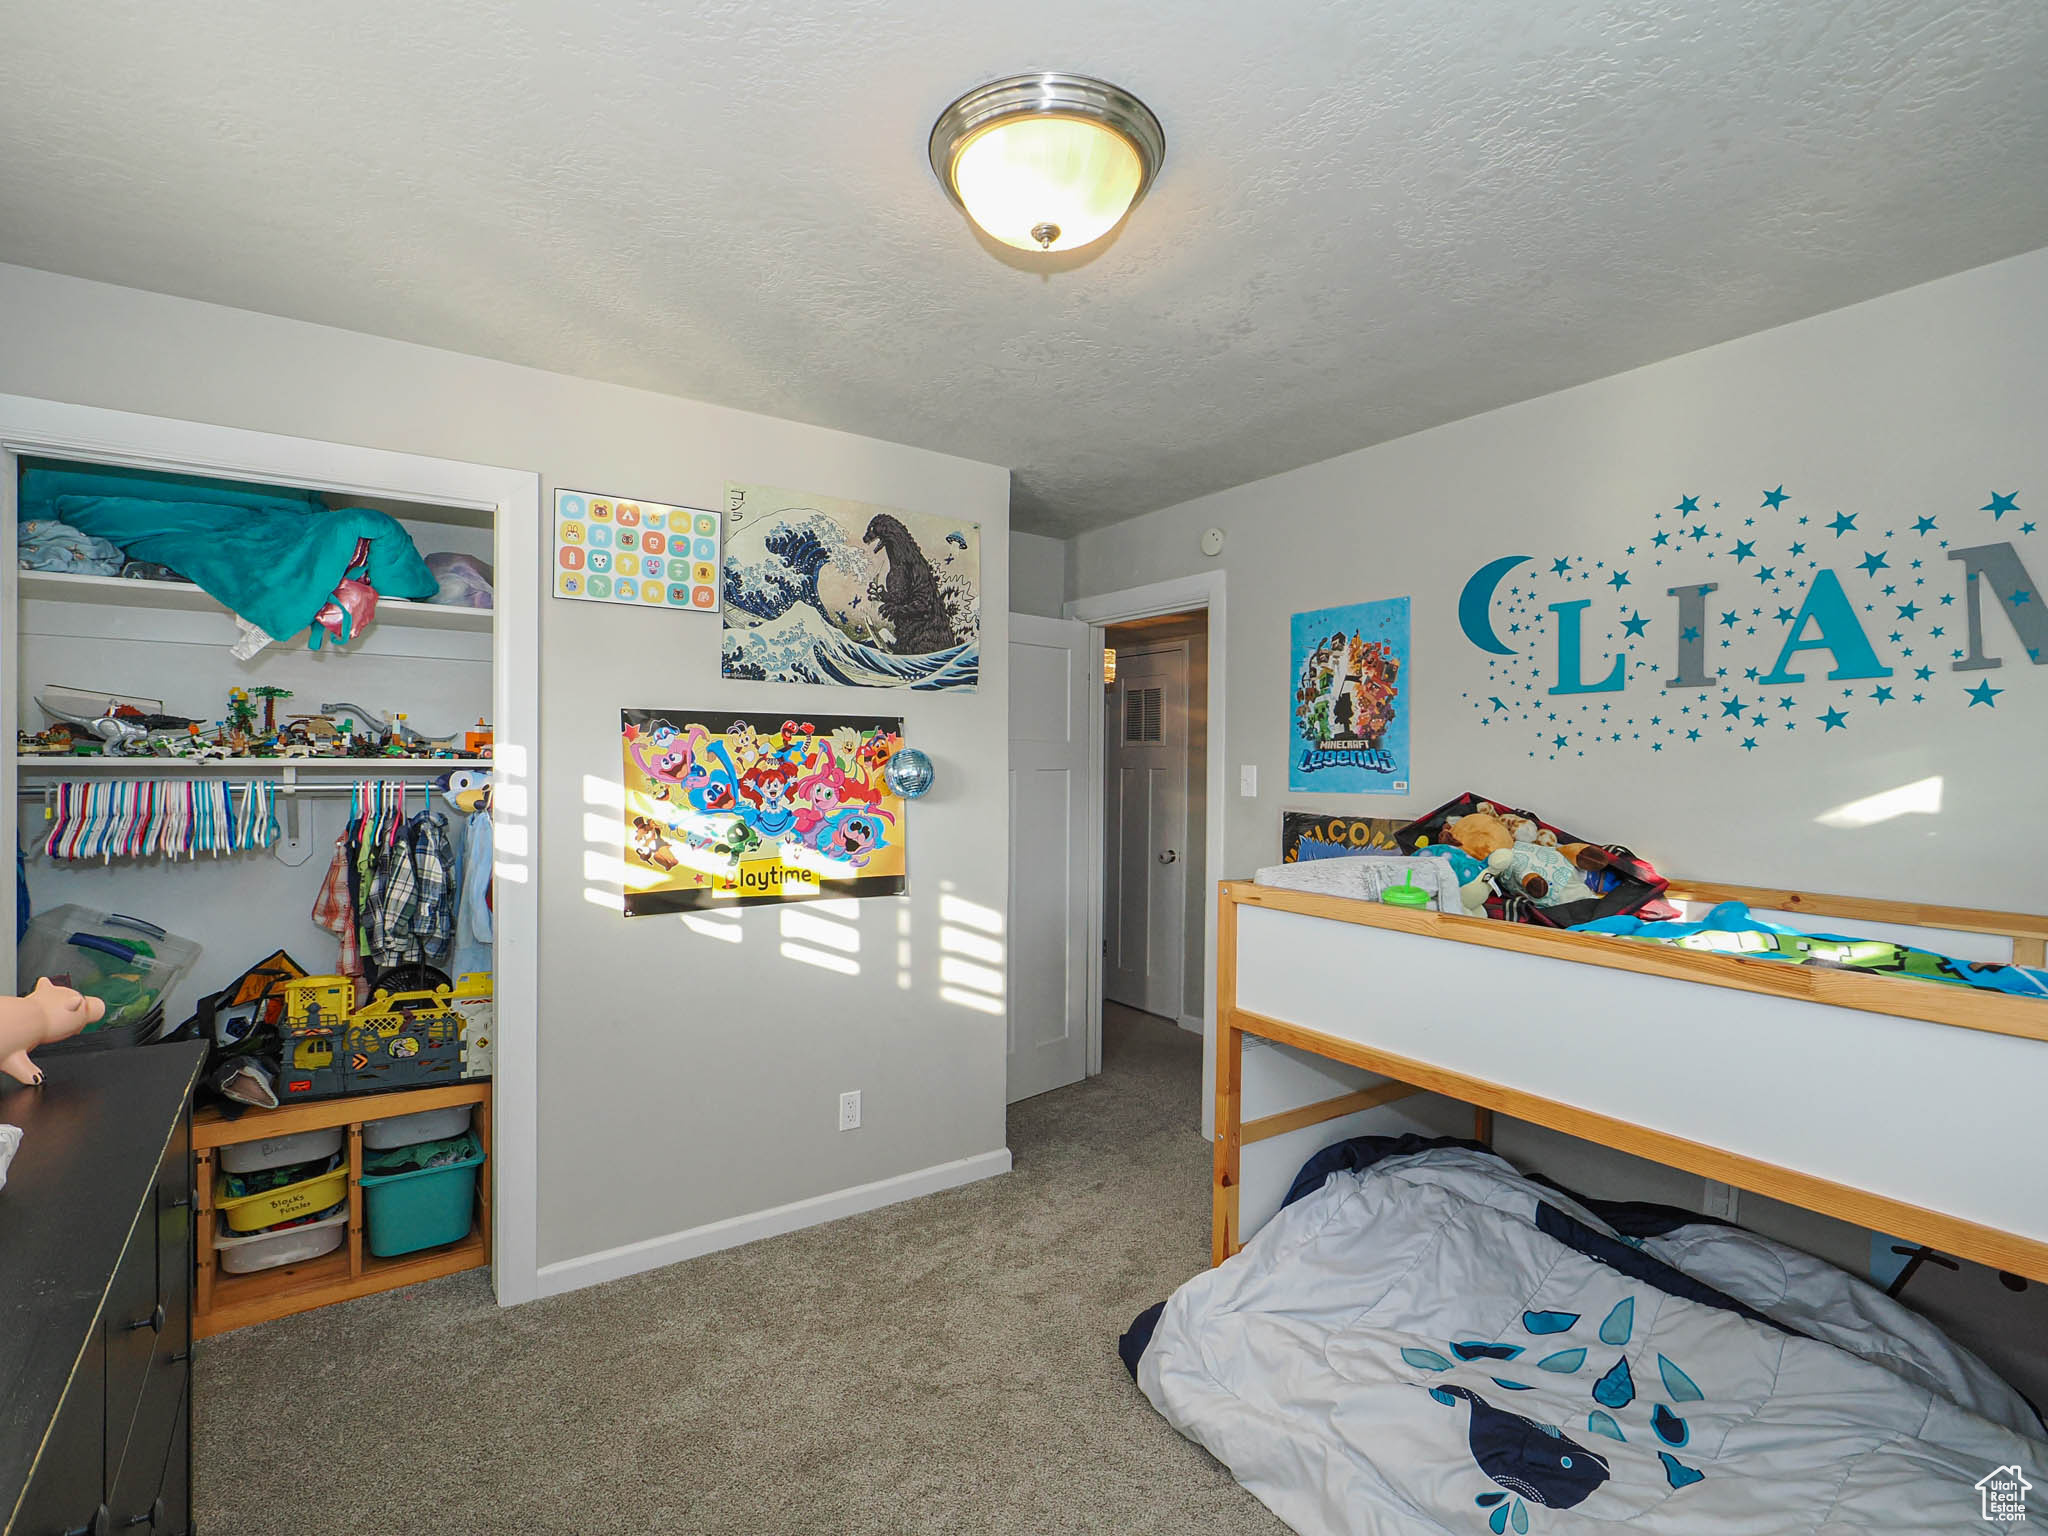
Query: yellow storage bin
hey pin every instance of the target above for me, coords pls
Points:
(285, 1203)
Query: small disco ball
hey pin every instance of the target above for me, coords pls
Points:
(909, 774)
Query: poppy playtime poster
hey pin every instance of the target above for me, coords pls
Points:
(1350, 703)
(754, 809)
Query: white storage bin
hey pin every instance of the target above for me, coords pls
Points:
(305, 1147)
(267, 1250)
(406, 1130)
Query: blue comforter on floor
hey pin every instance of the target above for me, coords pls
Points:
(1434, 1342)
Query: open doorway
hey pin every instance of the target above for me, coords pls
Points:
(1184, 608)
(1154, 815)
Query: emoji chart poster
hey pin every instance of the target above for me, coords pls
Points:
(1350, 704)
(609, 549)
(758, 809)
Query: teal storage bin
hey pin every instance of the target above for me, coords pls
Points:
(421, 1207)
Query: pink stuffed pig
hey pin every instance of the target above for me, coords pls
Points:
(46, 1014)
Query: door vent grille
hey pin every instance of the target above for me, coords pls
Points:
(1143, 716)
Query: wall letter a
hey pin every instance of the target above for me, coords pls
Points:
(1569, 675)
(1827, 606)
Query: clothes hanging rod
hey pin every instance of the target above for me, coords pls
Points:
(48, 790)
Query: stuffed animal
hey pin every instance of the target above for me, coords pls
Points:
(48, 1013)
(1473, 886)
(1533, 866)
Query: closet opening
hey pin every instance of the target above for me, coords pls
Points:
(254, 802)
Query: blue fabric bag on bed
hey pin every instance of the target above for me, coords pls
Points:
(275, 563)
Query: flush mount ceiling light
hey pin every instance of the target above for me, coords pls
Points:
(1047, 162)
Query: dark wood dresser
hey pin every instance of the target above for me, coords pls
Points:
(95, 1295)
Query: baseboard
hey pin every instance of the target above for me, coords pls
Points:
(1193, 1023)
(674, 1247)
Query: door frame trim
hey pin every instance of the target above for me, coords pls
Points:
(1183, 594)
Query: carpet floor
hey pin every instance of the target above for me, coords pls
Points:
(945, 1365)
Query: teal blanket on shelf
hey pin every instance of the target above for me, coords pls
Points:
(274, 563)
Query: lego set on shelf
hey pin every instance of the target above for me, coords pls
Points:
(88, 724)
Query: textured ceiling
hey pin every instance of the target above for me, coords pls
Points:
(1374, 217)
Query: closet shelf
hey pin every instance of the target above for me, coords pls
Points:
(261, 767)
(120, 592)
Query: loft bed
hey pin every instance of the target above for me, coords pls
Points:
(1904, 1106)
(1422, 1337)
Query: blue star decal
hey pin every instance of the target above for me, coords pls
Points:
(1618, 580)
(1660, 538)
(1909, 610)
(1983, 694)
(1924, 525)
(1882, 694)
(1786, 615)
(1925, 674)
(1729, 621)
(1636, 625)
(1749, 743)
(1698, 532)
(1785, 703)
(2026, 527)
(1872, 562)
(1687, 504)
(1559, 741)
(1743, 551)
(1764, 573)
(1560, 567)
(1998, 506)
(1691, 632)
(1692, 735)
(1731, 707)
(1844, 521)
(1776, 499)
(1496, 703)
(1834, 719)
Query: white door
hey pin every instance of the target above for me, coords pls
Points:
(1055, 679)
(1145, 816)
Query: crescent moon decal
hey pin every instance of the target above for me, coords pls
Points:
(1475, 604)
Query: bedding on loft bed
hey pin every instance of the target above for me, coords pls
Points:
(1426, 1340)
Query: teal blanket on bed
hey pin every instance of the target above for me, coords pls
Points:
(274, 563)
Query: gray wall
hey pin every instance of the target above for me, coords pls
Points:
(1038, 575)
(1922, 401)
(683, 1079)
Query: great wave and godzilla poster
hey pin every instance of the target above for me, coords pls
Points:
(820, 590)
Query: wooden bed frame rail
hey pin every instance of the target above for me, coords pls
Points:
(1964, 1009)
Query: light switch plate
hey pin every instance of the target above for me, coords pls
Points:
(1248, 780)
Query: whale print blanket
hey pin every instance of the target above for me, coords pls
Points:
(1433, 1342)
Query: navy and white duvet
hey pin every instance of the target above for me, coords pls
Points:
(1436, 1343)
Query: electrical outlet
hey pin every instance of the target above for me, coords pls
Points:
(849, 1111)
(1248, 780)
(1719, 1200)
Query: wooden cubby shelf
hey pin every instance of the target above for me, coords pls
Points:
(222, 1301)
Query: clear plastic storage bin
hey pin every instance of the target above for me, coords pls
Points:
(278, 1151)
(293, 1245)
(126, 963)
(406, 1130)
